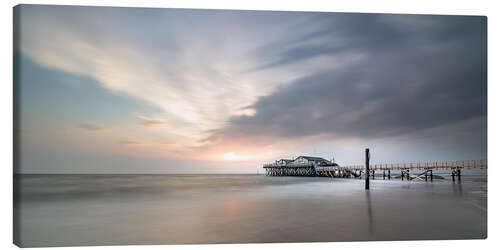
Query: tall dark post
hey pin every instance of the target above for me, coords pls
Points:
(367, 171)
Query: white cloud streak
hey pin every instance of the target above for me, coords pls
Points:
(198, 74)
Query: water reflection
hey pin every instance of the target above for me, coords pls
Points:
(369, 211)
(110, 210)
(457, 188)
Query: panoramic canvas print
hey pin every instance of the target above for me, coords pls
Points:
(140, 126)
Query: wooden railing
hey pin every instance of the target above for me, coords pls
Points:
(464, 164)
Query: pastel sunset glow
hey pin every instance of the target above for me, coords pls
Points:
(137, 90)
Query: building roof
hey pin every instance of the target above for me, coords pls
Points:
(311, 158)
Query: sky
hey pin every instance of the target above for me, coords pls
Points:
(141, 90)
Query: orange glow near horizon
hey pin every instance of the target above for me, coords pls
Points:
(232, 156)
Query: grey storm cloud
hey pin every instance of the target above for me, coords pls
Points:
(416, 72)
(374, 34)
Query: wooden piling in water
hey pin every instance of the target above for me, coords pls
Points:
(367, 166)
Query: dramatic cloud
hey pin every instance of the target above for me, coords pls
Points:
(417, 72)
(250, 86)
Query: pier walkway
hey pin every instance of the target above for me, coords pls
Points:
(424, 169)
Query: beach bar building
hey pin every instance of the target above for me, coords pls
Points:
(300, 166)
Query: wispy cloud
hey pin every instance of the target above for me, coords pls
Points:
(91, 127)
(127, 143)
(152, 122)
(197, 75)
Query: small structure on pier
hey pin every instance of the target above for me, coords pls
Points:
(300, 166)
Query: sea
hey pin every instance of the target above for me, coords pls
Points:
(96, 210)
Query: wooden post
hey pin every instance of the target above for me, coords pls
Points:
(389, 174)
(459, 174)
(426, 175)
(367, 166)
(384, 174)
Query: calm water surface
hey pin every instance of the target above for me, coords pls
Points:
(68, 210)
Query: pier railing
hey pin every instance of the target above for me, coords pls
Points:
(463, 164)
